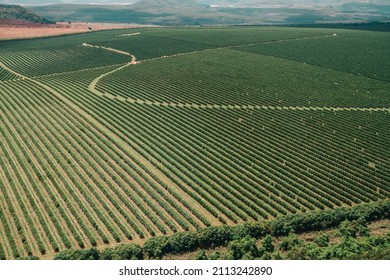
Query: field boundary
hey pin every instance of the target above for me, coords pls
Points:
(245, 107)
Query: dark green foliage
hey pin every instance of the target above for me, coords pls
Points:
(204, 238)
(214, 256)
(301, 251)
(155, 247)
(267, 244)
(70, 254)
(181, 242)
(201, 255)
(248, 229)
(345, 250)
(373, 254)
(240, 247)
(289, 242)
(352, 229)
(329, 218)
(28, 258)
(2, 254)
(213, 236)
(322, 240)
(244, 248)
(122, 252)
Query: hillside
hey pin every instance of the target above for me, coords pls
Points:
(197, 12)
(167, 3)
(15, 12)
(189, 8)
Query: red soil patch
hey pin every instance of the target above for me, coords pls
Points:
(14, 29)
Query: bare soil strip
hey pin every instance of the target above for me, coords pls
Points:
(29, 189)
(108, 133)
(133, 58)
(14, 29)
(131, 34)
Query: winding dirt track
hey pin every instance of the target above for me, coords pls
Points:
(92, 86)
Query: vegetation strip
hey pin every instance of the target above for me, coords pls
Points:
(157, 247)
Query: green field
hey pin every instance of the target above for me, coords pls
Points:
(207, 126)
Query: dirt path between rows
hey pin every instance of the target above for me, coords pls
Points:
(116, 139)
(133, 58)
(92, 86)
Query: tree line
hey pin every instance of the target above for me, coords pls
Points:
(241, 235)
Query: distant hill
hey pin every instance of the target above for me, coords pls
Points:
(52, 2)
(163, 5)
(227, 12)
(15, 12)
(291, 3)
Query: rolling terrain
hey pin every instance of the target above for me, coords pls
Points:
(114, 137)
(219, 12)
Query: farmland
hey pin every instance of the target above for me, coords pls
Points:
(198, 128)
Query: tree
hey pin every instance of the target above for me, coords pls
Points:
(215, 256)
(352, 229)
(123, 252)
(267, 244)
(289, 242)
(322, 240)
(246, 246)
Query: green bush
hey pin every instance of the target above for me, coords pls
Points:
(242, 238)
(91, 254)
(245, 247)
(322, 240)
(201, 255)
(123, 252)
(267, 244)
(289, 242)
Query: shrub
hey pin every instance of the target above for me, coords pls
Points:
(201, 255)
(91, 254)
(267, 244)
(289, 242)
(123, 252)
(322, 240)
(237, 249)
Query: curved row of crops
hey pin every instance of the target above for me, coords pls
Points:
(246, 79)
(79, 170)
(6, 75)
(254, 164)
(48, 152)
(49, 61)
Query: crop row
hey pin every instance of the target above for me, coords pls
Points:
(247, 79)
(49, 61)
(328, 200)
(160, 192)
(52, 151)
(6, 75)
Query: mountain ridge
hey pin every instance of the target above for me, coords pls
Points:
(16, 12)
